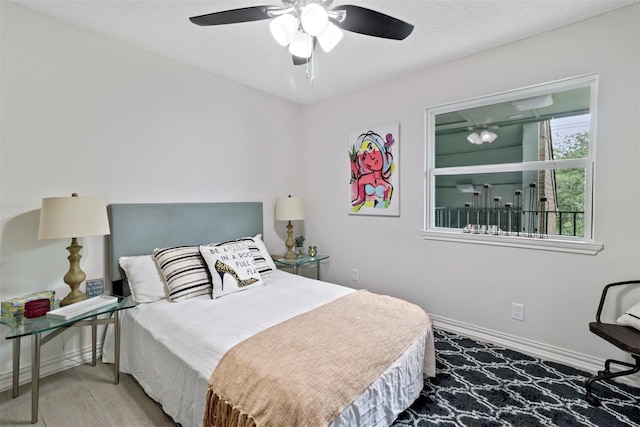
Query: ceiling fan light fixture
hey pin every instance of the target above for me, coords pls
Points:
(488, 136)
(474, 138)
(283, 28)
(314, 19)
(301, 45)
(330, 37)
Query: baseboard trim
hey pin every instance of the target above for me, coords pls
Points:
(533, 348)
(50, 366)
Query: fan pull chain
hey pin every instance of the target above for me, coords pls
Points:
(310, 74)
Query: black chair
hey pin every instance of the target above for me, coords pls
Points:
(624, 337)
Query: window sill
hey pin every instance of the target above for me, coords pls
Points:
(547, 244)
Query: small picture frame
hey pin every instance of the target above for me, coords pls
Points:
(95, 287)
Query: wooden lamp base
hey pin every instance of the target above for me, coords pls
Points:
(75, 276)
(289, 243)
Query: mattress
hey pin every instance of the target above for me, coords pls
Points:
(171, 349)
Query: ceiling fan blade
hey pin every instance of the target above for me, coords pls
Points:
(371, 23)
(233, 16)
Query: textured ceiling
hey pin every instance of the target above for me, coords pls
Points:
(246, 53)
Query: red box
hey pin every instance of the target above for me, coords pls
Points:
(36, 308)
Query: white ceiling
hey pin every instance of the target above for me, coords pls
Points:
(246, 53)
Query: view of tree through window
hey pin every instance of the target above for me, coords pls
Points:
(572, 143)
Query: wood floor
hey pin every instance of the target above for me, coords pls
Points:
(84, 396)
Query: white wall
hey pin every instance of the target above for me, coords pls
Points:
(83, 113)
(475, 284)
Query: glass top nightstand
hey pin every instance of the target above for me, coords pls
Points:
(20, 326)
(302, 260)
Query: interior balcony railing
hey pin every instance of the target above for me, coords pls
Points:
(513, 222)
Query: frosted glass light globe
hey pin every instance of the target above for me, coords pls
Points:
(314, 19)
(301, 45)
(283, 28)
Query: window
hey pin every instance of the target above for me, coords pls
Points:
(514, 169)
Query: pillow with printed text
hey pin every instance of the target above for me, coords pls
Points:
(231, 266)
(264, 262)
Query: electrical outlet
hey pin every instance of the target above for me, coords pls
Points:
(517, 311)
(355, 274)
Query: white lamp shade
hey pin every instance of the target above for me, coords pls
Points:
(283, 28)
(301, 45)
(314, 19)
(64, 217)
(330, 37)
(289, 209)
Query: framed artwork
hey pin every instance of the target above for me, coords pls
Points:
(374, 186)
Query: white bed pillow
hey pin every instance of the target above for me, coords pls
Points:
(185, 272)
(145, 278)
(631, 317)
(231, 266)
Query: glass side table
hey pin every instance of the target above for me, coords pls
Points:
(303, 260)
(20, 326)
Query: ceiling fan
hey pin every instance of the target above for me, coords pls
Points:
(300, 23)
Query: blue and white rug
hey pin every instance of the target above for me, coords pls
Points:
(480, 384)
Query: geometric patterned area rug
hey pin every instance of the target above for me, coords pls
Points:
(481, 384)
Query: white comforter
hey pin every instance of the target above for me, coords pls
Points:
(172, 348)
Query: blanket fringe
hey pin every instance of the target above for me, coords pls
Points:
(220, 413)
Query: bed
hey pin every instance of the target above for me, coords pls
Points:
(172, 344)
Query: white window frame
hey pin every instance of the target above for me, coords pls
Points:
(572, 244)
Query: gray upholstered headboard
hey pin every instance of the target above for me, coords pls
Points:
(137, 229)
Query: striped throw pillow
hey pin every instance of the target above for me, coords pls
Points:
(185, 272)
(262, 257)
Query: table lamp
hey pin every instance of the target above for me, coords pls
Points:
(289, 209)
(73, 217)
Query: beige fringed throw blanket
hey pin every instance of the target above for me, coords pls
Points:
(306, 370)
